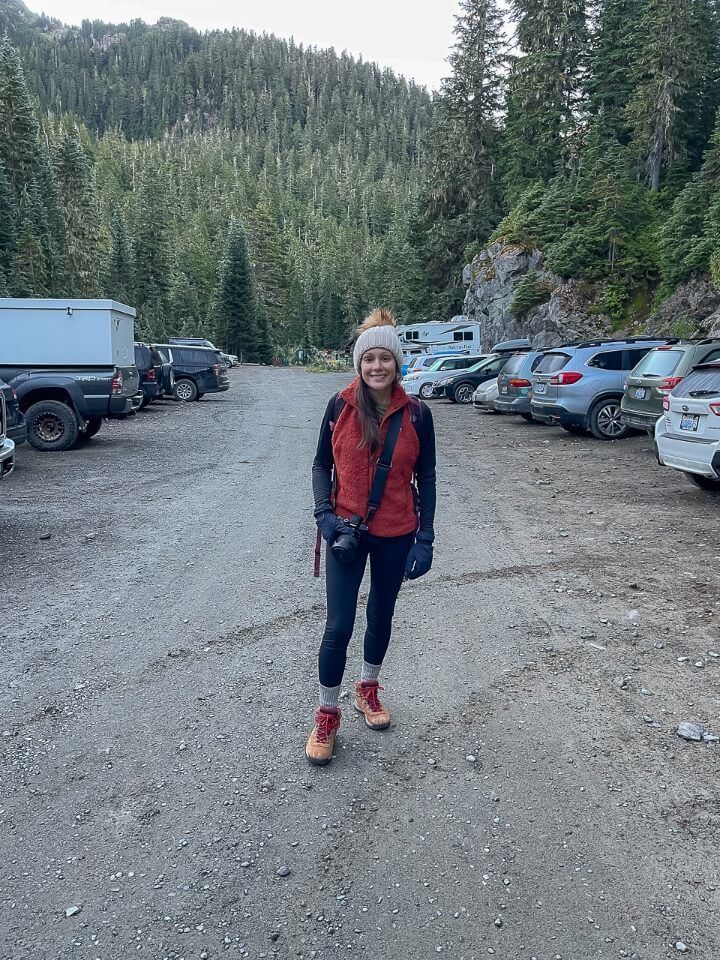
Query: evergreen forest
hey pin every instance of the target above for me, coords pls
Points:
(265, 194)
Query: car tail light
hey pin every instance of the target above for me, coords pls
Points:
(150, 374)
(715, 407)
(116, 386)
(565, 379)
(666, 385)
(217, 367)
(519, 382)
(666, 403)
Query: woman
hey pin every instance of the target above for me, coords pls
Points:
(398, 537)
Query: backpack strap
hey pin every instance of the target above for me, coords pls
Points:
(384, 464)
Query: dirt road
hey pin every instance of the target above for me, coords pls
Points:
(159, 629)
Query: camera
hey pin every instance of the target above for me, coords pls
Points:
(344, 547)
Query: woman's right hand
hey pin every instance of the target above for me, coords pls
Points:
(329, 525)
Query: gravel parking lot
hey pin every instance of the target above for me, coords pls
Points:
(532, 799)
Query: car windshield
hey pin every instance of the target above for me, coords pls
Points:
(552, 362)
(486, 361)
(658, 363)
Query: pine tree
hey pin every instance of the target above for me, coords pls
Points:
(235, 307)
(120, 274)
(613, 49)
(19, 140)
(150, 230)
(461, 198)
(80, 209)
(269, 266)
(675, 62)
(544, 91)
(8, 231)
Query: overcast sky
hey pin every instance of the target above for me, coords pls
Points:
(411, 37)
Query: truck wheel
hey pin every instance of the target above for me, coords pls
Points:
(93, 426)
(185, 391)
(606, 421)
(51, 425)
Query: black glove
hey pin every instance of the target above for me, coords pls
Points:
(420, 557)
(329, 525)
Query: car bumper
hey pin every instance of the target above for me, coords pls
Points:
(485, 405)
(639, 421)
(412, 389)
(554, 413)
(121, 407)
(513, 405)
(688, 455)
(7, 458)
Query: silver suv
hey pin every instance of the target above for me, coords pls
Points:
(580, 386)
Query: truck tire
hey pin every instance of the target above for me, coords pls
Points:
(606, 422)
(185, 390)
(93, 426)
(51, 426)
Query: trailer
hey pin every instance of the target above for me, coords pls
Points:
(460, 335)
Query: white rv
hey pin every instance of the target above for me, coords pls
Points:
(459, 334)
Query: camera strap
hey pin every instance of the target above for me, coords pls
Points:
(384, 464)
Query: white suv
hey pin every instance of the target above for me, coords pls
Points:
(687, 436)
(421, 382)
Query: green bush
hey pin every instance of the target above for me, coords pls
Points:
(530, 292)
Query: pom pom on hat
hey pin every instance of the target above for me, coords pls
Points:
(377, 331)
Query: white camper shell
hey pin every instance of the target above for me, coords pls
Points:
(66, 333)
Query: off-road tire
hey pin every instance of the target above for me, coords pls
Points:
(185, 390)
(705, 483)
(51, 426)
(93, 426)
(606, 422)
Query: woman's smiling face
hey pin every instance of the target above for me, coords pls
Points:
(378, 368)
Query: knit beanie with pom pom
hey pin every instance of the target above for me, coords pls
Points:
(378, 332)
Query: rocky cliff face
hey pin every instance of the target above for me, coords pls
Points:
(569, 311)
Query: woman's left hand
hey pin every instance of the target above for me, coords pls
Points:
(420, 557)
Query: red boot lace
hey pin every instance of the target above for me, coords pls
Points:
(370, 695)
(326, 724)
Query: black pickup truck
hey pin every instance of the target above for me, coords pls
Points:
(63, 404)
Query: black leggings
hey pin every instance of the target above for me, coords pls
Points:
(387, 569)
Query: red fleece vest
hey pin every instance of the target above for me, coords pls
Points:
(355, 467)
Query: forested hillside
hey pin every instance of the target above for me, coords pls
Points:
(593, 137)
(140, 162)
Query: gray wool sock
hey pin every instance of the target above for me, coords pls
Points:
(370, 671)
(329, 696)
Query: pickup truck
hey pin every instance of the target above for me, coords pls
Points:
(71, 365)
(62, 406)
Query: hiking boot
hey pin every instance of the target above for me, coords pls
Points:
(321, 742)
(377, 717)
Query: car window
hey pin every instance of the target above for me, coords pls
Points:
(710, 357)
(163, 354)
(496, 365)
(481, 364)
(535, 364)
(552, 362)
(633, 357)
(515, 363)
(699, 382)
(658, 363)
(611, 360)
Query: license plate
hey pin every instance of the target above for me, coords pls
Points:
(689, 421)
(639, 393)
(540, 388)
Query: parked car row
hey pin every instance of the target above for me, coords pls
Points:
(605, 387)
(66, 366)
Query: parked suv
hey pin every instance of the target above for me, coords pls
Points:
(7, 447)
(688, 436)
(580, 386)
(420, 379)
(197, 370)
(657, 374)
(515, 383)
